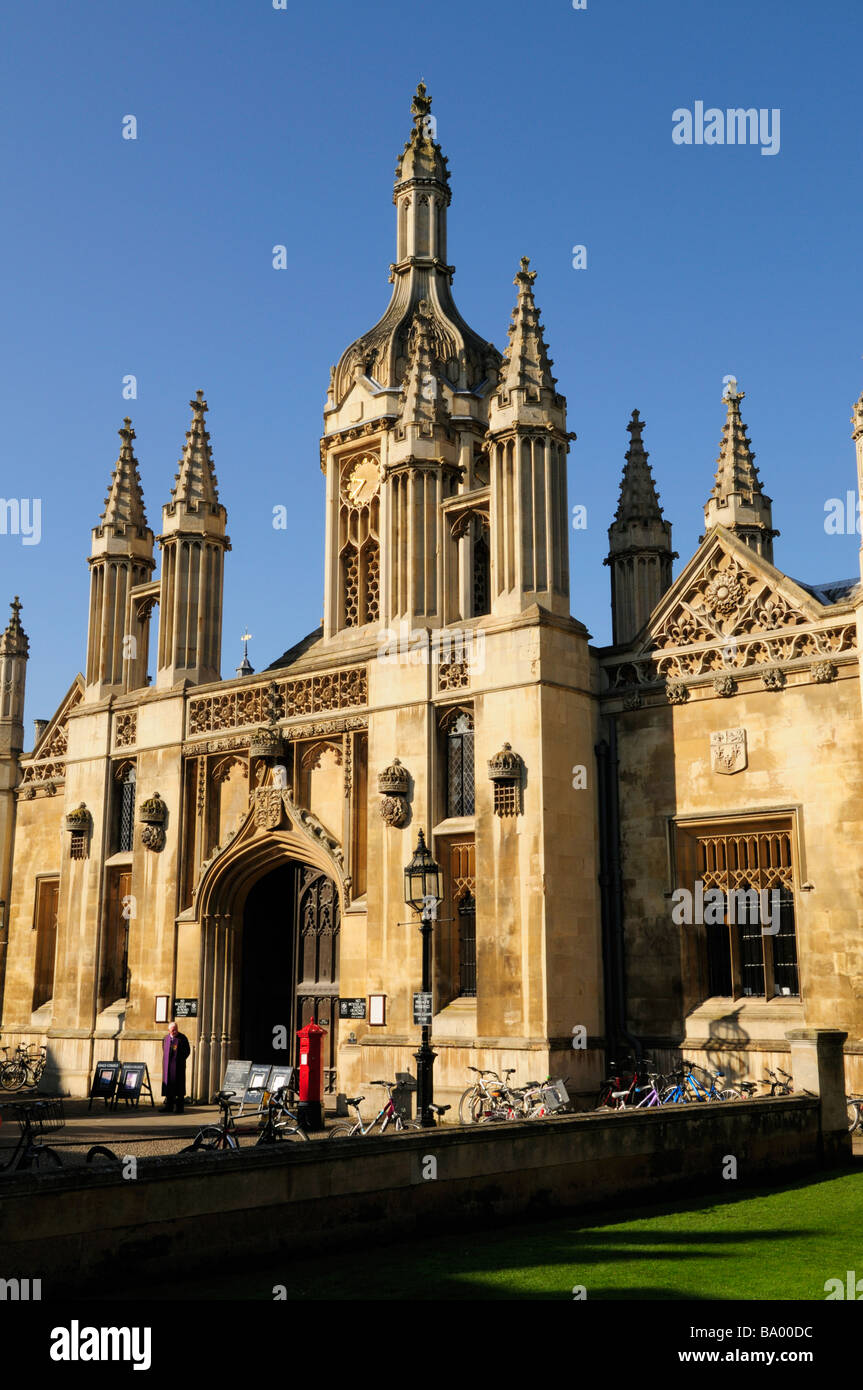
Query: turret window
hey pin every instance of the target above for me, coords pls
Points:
(459, 735)
(124, 808)
(359, 546)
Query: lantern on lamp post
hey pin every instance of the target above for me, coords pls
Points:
(423, 894)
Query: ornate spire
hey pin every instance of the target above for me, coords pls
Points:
(423, 399)
(640, 554)
(736, 471)
(422, 157)
(639, 500)
(737, 500)
(13, 640)
(526, 366)
(196, 484)
(124, 505)
(420, 272)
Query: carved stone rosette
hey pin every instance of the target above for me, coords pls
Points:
(823, 671)
(725, 685)
(394, 785)
(676, 693)
(774, 679)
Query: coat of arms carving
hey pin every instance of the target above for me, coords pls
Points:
(728, 750)
(268, 807)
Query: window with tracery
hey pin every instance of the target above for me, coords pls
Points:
(748, 938)
(359, 539)
(458, 734)
(481, 570)
(124, 808)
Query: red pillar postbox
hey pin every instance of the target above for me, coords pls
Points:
(310, 1111)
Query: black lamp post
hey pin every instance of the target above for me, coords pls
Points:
(422, 893)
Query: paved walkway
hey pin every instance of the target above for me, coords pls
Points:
(140, 1130)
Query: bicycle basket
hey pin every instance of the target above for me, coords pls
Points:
(555, 1095)
(47, 1115)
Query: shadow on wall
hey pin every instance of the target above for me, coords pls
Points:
(725, 1041)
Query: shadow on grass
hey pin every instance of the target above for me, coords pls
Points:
(525, 1258)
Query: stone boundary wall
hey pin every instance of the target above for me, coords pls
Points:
(94, 1230)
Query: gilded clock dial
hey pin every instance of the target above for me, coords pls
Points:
(362, 482)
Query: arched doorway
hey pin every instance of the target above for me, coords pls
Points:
(267, 911)
(289, 962)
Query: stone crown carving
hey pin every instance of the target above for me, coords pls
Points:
(505, 766)
(267, 743)
(79, 819)
(153, 811)
(394, 780)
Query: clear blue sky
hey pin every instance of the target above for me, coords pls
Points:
(258, 126)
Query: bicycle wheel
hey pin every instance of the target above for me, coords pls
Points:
(99, 1154)
(729, 1093)
(211, 1139)
(13, 1076)
(672, 1095)
(854, 1110)
(469, 1106)
(342, 1132)
(43, 1159)
(284, 1134)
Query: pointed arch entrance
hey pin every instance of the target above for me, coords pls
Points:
(288, 963)
(268, 908)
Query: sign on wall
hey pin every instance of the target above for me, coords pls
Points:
(185, 1008)
(352, 1008)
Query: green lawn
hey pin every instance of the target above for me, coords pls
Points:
(771, 1245)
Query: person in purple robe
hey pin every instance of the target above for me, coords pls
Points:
(175, 1050)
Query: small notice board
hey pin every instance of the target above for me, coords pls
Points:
(133, 1081)
(258, 1082)
(104, 1083)
(185, 1008)
(236, 1079)
(352, 1008)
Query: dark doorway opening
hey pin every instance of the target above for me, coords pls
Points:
(289, 972)
(269, 967)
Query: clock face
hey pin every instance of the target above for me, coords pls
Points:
(362, 482)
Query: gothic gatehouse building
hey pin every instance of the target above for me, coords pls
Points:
(600, 814)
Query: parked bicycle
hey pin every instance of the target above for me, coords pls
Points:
(777, 1087)
(34, 1120)
(855, 1112)
(278, 1123)
(23, 1070)
(687, 1087)
(489, 1098)
(387, 1117)
(618, 1093)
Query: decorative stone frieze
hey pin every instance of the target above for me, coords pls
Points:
(281, 699)
(725, 685)
(676, 693)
